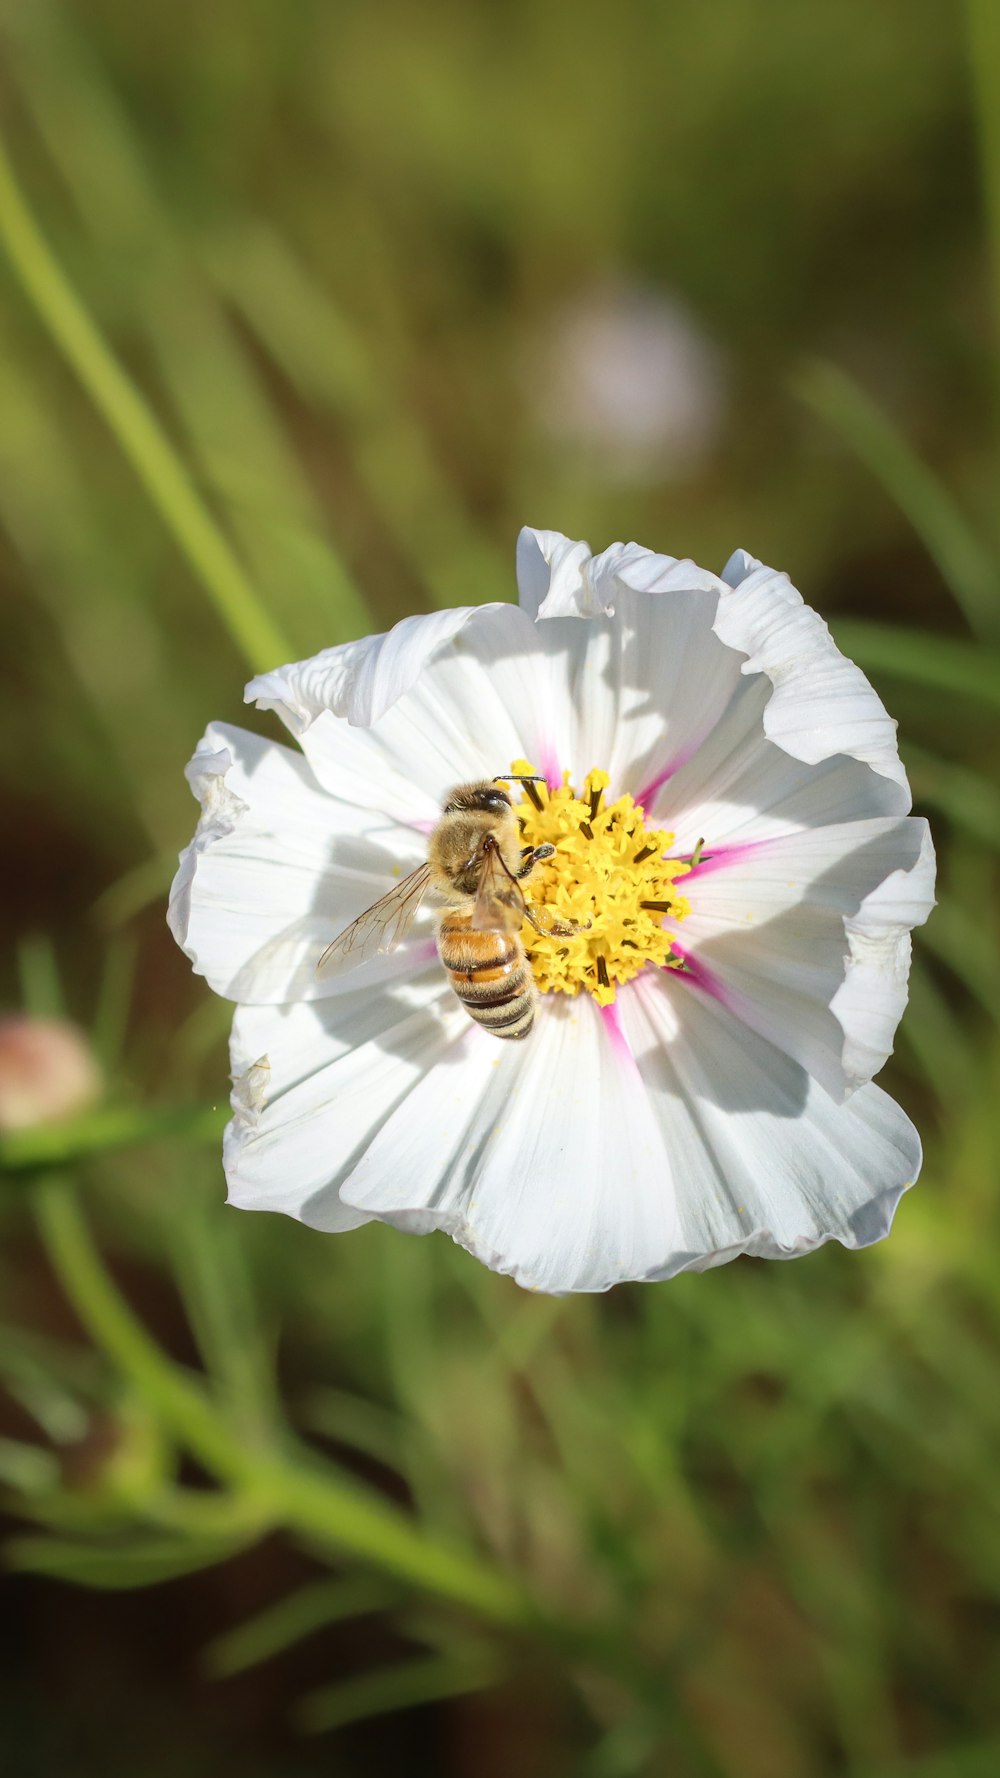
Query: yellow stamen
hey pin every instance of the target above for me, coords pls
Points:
(608, 869)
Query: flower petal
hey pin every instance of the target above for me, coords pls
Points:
(313, 1085)
(636, 691)
(805, 938)
(359, 680)
(543, 1158)
(872, 999)
(821, 704)
(549, 564)
(816, 704)
(277, 868)
(766, 1163)
(739, 786)
(478, 701)
(557, 577)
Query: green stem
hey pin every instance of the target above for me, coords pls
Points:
(983, 21)
(299, 1492)
(967, 566)
(96, 1132)
(156, 463)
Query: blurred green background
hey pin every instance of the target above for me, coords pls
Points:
(304, 309)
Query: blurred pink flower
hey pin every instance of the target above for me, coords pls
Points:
(629, 376)
(47, 1071)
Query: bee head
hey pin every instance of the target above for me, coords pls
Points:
(487, 797)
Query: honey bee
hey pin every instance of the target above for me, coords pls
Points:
(475, 866)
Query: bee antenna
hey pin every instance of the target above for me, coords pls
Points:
(519, 778)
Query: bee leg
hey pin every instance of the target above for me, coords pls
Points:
(532, 855)
(553, 928)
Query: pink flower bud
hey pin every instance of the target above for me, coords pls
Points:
(47, 1071)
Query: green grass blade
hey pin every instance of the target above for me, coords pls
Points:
(237, 437)
(935, 1036)
(298, 324)
(983, 24)
(943, 663)
(292, 1619)
(969, 799)
(132, 421)
(112, 1127)
(296, 1489)
(388, 1689)
(137, 1562)
(968, 568)
(233, 1337)
(41, 986)
(968, 946)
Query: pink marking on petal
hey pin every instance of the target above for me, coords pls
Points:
(651, 790)
(722, 856)
(696, 975)
(613, 1026)
(422, 826)
(548, 765)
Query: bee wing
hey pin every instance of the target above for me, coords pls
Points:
(381, 928)
(499, 904)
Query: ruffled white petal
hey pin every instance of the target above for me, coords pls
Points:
(740, 787)
(543, 1158)
(818, 705)
(312, 1085)
(277, 868)
(479, 700)
(637, 691)
(765, 1162)
(557, 577)
(872, 998)
(821, 703)
(662, 1142)
(549, 564)
(361, 680)
(806, 939)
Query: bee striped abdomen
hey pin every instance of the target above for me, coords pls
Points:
(490, 975)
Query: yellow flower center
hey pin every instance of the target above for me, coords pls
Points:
(608, 877)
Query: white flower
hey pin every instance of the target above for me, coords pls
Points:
(718, 1106)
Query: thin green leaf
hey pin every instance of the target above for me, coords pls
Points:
(302, 1493)
(292, 1619)
(969, 799)
(967, 566)
(980, 1760)
(234, 429)
(114, 1000)
(970, 947)
(983, 19)
(98, 1132)
(388, 1689)
(299, 325)
(359, 1424)
(29, 1469)
(135, 890)
(236, 1349)
(141, 1562)
(133, 423)
(41, 988)
(945, 1051)
(944, 663)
